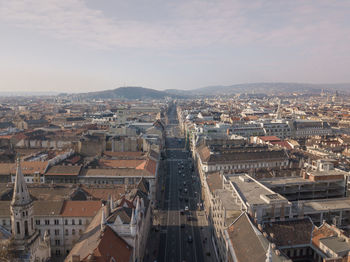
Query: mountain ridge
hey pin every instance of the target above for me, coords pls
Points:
(128, 92)
(264, 87)
(269, 88)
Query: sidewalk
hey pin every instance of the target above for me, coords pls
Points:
(205, 234)
(152, 247)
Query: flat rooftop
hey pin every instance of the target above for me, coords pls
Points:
(253, 192)
(336, 244)
(281, 181)
(227, 199)
(316, 206)
(328, 173)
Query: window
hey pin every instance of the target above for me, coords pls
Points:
(73, 232)
(66, 222)
(67, 233)
(48, 231)
(47, 222)
(57, 232)
(18, 228)
(58, 252)
(57, 242)
(80, 222)
(73, 222)
(57, 222)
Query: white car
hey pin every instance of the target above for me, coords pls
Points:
(186, 208)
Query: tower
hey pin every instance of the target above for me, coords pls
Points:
(21, 209)
(103, 218)
(26, 241)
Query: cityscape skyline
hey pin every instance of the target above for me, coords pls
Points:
(83, 46)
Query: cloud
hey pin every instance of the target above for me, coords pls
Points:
(192, 23)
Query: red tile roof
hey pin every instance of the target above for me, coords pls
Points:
(284, 144)
(214, 181)
(111, 246)
(137, 154)
(64, 171)
(323, 231)
(269, 138)
(86, 208)
(28, 168)
(121, 163)
(151, 166)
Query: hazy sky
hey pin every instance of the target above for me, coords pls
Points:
(77, 45)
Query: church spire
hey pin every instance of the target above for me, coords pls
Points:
(20, 191)
(103, 218)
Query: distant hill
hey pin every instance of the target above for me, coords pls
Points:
(256, 88)
(127, 93)
(263, 88)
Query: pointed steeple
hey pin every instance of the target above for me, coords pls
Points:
(133, 218)
(103, 218)
(111, 202)
(137, 209)
(269, 254)
(20, 191)
(133, 223)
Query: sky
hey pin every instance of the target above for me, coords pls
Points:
(91, 45)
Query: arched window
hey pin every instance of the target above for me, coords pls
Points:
(26, 228)
(18, 228)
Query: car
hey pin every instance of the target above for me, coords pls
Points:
(182, 212)
(185, 190)
(184, 183)
(189, 239)
(186, 208)
(186, 200)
